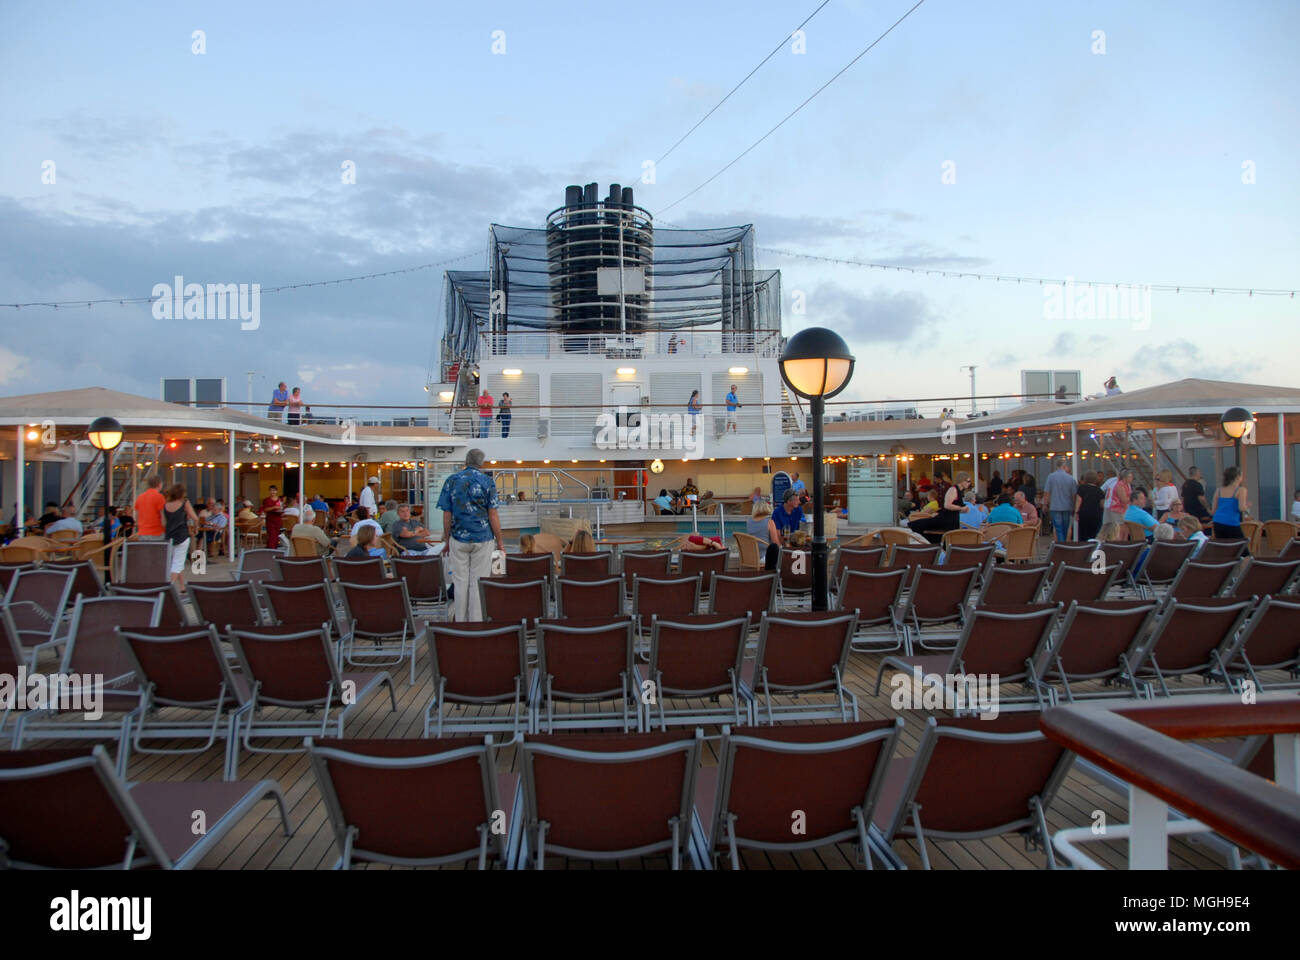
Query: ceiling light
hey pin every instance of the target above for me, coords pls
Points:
(511, 372)
(445, 395)
(625, 371)
(738, 370)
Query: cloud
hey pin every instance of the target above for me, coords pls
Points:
(1179, 359)
(881, 316)
(12, 365)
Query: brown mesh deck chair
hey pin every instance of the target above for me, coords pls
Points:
(173, 613)
(828, 775)
(1290, 551)
(1008, 772)
(1270, 641)
(227, 605)
(996, 641)
(511, 599)
(584, 664)
(645, 563)
(1276, 535)
(144, 562)
(1197, 579)
(589, 599)
(1126, 555)
(706, 564)
(86, 579)
(529, 566)
(914, 555)
(478, 665)
(1162, 566)
(93, 650)
(12, 656)
(1085, 584)
(426, 583)
(936, 607)
(296, 688)
(1266, 577)
(380, 617)
(69, 809)
(302, 569)
(1009, 585)
(877, 598)
(413, 803)
(610, 796)
(9, 570)
(183, 672)
(979, 556)
(855, 558)
(587, 566)
(794, 578)
(743, 594)
(1221, 551)
(258, 565)
(308, 605)
(696, 658)
(35, 604)
(1075, 553)
(1188, 638)
(1096, 641)
(667, 598)
(801, 655)
(367, 571)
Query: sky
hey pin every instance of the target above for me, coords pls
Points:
(1153, 142)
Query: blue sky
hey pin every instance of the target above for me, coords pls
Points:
(225, 167)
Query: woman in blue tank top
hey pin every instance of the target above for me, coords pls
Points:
(1230, 505)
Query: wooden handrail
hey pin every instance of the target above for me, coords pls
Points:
(1140, 744)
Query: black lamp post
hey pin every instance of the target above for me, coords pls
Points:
(105, 434)
(1236, 423)
(816, 364)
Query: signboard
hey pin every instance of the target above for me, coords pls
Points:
(780, 484)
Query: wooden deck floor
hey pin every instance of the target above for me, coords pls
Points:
(258, 843)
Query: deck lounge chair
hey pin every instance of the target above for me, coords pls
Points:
(93, 649)
(876, 597)
(511, 599)
(1186, 639)
(743, 593)
(1221, 551)
(302, 569)
(69, 809)
(1264, 577)
(1270, 641)
(707, 565)
(1084, 584)
(914, 555)
(417, 803)
(227, 605)
(996, 641)
(794, 578)
(980, 556)
(670, 597)
(259, 565)
(145, 561)
(1096, 641)
(34, 606)
(380, 614)
(86, 579)
(589, 599)
(1197, 579)
(610, 796)
(587, 566)
(1127, 555)
(829, 776)
(185, 670)
(936, 607)
(1008, 772)
(367, 571)
(696, 658)
(646, 563)
(9, 570)
(855, 558)
(172, 612)
(801, 655)
(294, 669)
(529, 566)
(426, 583)
(478, 664)
(1010, 585)
(582, 662)
(1076, 553)
(1162, 565)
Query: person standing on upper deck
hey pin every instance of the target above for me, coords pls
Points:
(470, 527)
(503, 414)
(279, 400)
(485, 403)
(733, 404)
(295, 406)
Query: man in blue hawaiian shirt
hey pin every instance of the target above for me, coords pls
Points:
(470, 528)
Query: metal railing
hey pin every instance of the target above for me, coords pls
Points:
(689, 341)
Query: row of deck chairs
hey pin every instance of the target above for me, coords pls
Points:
(596, 796)
(1133, 647)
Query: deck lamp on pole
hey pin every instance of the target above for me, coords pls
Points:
(816, 364)
(105, 434)
(1236, 423)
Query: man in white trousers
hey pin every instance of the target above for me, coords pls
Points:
(471, 529)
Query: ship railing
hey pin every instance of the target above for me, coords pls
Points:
(612, 344)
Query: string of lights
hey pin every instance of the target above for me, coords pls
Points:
(123, 301)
